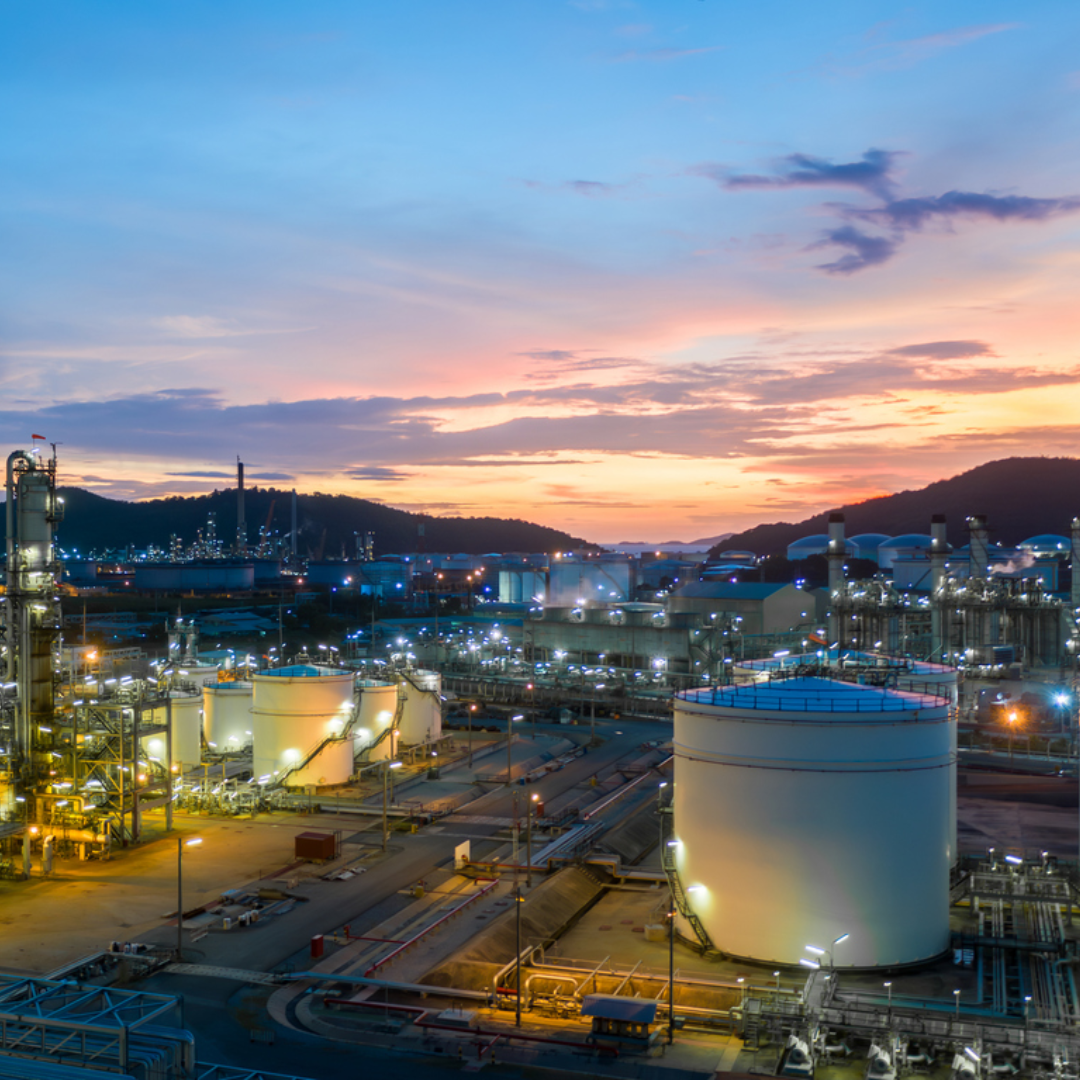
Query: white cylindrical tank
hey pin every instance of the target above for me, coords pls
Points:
(808, 809)
(186, 712)
(375, 715)
(296, 713)
(227, 715)
(421, 717)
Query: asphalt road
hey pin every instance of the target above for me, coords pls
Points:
(222, 1013)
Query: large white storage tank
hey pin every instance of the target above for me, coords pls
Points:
(296, 712)
(186, 709)
(421, 716)
(375, 714)
(227, 715)
(808, 809)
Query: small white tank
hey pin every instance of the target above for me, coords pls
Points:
(421, 718)
(375, 714)
(227, 715)
(186, 712)
(296, 712)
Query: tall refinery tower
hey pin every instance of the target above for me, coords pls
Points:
(32, 607)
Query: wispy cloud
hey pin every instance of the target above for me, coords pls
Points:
(863, 250)
(944, 350)
(872, 173)
(662, 55)
(914, 213)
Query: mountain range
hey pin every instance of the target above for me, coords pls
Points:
(1020, 497)
(326, 524)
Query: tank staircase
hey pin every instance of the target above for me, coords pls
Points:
(678, 893)
(307, 759)
(386, 733)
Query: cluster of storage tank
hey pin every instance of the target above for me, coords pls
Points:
(304, 724)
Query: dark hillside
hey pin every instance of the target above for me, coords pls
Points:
(325, 522)
(1021, 497)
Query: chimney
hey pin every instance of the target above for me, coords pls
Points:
(939, 554)
(980, 546)
(1075, 564)
(241, 524)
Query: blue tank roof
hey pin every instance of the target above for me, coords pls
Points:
(915, 540)
(851, 702)
(1046, 542)
(815, 541)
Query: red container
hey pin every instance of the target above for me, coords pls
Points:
(316, 846)
(317, 944)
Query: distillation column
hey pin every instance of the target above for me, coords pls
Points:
(1075, 563)
(33, 617)
(980, 546)
(939, 554)
(836, 553)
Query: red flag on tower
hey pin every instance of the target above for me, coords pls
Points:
(42, 437)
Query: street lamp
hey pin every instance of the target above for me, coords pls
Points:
(385, 776)
(180, 845)
(535, 798)
(517, 931)
(509, 743)
(671, 976)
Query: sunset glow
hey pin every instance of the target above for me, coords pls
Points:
(636, 269)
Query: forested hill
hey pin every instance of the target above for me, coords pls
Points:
(1021, 497)
(326, 524)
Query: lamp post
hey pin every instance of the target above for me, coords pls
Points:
(472, 709)
(671, 977)
(509, 743)
(956, 998)
(888, 987)
(385, 779)
(817, 950)
(517, 930)
(180, 845)
(534, 799)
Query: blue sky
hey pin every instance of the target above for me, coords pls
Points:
(627, 268)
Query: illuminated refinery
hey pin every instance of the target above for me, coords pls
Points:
(559, 811)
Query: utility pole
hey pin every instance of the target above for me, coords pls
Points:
(528, 840)
(518, 903)
(671, 977)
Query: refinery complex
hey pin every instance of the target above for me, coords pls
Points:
(268, 814)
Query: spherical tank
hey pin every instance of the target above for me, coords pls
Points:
(186, 712)
(807, 810)
(375, 714)
(227, 715)
(421, 718)
(296, 712)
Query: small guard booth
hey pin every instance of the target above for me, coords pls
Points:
(621, 1022)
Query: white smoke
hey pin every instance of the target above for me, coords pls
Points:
(1021, 562)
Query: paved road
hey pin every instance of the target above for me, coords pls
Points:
(222, 1013)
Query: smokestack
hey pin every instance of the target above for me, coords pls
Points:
(837, 551)
(1075, 563)
(939, 554)
(835, 555)
(293, 533)
(980, 545)
(241, 524)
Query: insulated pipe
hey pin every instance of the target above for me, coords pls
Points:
(980, 553)
(1075, 558)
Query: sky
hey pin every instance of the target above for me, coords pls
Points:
(636, 269)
